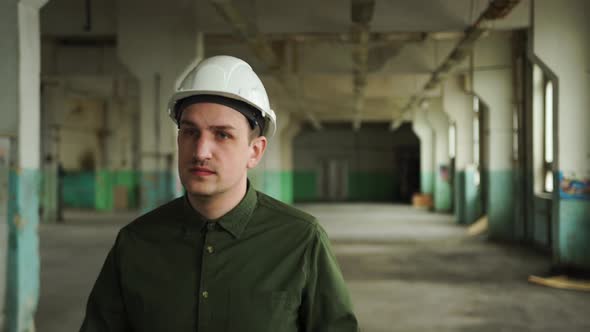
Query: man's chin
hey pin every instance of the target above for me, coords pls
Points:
(199, 191)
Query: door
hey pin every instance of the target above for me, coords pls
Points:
(407, 162)
(334, 179)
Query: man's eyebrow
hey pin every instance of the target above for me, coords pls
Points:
(188, 123)
(223, 127)
(213, 127)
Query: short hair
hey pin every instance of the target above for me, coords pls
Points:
(253, 115)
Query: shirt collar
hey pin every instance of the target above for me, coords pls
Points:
(192, 219)
(235, 221)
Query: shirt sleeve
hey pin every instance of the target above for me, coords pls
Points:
(105, 310)
(326, 304)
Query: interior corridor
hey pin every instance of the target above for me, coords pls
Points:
(407, 270)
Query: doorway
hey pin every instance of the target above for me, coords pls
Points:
(334, 180)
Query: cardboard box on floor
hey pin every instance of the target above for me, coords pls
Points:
(420, 200)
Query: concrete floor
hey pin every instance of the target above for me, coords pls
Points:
(407, 270)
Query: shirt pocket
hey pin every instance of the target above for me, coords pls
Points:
(262, 311)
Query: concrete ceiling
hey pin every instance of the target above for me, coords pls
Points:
(333, 16)
(406, 41)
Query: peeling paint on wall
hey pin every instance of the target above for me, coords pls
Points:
(574, 186)
(23, 249)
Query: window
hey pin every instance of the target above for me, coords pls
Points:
(543, 98)
(548, 137)
(452, 140)
(476, 139)
(515, 133)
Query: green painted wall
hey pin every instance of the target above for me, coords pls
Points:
(156, 188)
(472, 203)
(104, 191)
(22, 278)
(501, 204)
(95, 190)
(277, 184)
(460, 200)
(49, 194)
(427, 182)
(372, 186)
(109, 181)
(79, 190)
(442, 194)
(541, 221)
(519, 207)
(574, 232)
(362, 186)
(304, 186)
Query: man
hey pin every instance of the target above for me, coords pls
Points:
(224, 257)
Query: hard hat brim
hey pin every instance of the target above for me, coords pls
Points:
(269, 127)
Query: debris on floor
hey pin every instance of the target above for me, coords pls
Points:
(478, 227)
(562, 282)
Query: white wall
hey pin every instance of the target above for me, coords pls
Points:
(423, 129)
(439, 122)
(9, 67)
(76, 96)
(561, 41)
(459, 106)
(68, 17)
(160, 39)
(492, 82)
(29, 79)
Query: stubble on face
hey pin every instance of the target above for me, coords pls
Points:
(213, 156)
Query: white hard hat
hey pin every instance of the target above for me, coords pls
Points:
(229, 77)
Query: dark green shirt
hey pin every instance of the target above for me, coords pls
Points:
(264, 266)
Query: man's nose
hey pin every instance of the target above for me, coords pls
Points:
(203, 148)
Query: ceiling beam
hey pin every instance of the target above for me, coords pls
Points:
(375, 38)
(361, 14)
(261, 46)
(497, 9)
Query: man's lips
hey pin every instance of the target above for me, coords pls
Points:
(201, 171)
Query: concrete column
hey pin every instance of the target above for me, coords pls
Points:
(424, 132)
(458, 104)
(274, 175)
(287, 138)
(19, 132)
(439, 121)
(49, 162)
(560, 41)
(493, 84)
(157, 43)
(104, 200)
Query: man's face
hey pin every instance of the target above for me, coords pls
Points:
(215, 150)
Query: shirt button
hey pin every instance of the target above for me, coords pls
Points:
(210, 226)
(205, 294)
(210, 249)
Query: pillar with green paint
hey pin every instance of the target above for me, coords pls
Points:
(274, 173)
(20, 163)
(458, 104)
(566, 58)
(495, 89)
(439, 121)
(157, 80)
(423, 130)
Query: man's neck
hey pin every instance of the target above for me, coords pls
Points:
(215, 207)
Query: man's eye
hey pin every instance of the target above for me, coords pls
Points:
(189, 132)
(223, 135)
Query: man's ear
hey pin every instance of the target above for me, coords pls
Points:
(257, 148)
